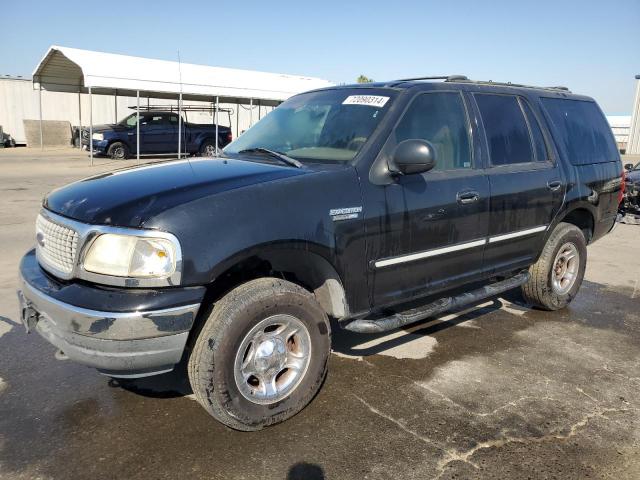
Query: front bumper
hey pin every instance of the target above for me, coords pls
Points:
(142, 333)
(100, 147)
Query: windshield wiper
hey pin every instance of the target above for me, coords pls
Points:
(280, 156)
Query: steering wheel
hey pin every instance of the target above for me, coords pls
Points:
(355, 143)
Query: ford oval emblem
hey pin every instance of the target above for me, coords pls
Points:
(40, 239)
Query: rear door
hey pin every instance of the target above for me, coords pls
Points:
(430, 233)
(527, 186)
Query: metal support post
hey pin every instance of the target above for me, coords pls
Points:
(79, 120)
(138, 126)
(217, 108)
(91, 126)
(40, 110)
(237, 119)
(179, 125)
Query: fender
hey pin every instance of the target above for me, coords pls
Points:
(306, 263)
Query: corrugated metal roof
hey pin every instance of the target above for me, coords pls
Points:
(72, 69)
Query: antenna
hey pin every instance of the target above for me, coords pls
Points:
(180, 107)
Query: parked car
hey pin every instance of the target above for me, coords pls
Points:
(158, 135)
(6, 140)
(376, 205)
(631, 201)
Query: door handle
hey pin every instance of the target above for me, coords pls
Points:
(130, 133)
(467, 197)
(554, 185)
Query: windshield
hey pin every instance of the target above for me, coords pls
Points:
(330, 125)
(130, 121)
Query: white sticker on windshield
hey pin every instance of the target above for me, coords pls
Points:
(370, 100)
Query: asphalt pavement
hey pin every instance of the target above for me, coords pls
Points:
(495, 391)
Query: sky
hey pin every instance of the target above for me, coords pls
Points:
(592, 47)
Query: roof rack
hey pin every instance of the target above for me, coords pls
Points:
(446, 78)
(463, 78)
(519, 85)
(187, 108)
(184, 108)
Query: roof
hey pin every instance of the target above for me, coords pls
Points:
(72, 69)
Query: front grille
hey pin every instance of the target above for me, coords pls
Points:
(56, 246)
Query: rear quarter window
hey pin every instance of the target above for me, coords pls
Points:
(581, 131)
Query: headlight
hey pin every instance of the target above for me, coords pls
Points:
(131, 256)
(98, 136)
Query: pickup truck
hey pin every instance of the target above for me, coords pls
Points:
(158, 136)
(376, 206)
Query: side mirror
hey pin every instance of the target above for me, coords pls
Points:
(628, 166)
(413, 156)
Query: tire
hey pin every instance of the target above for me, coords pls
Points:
(208, 149)
(565, 250)
(248, 314)
(118, 151)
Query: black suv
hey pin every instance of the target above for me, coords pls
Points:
(375, 205)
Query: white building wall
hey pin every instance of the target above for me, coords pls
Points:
(633, 146)
(19, 101)
(620, 125)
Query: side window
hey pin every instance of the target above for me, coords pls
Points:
(158, 120)
(173, 119)
(439, 118)
(580, 127)
(506, 129)
(539, 143)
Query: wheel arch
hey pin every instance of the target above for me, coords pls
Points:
(582, 217)
(123, 141)
(300, 262)
(206, 138)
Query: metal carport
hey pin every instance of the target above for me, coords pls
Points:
(64, 69)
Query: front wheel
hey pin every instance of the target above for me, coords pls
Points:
(118, 151)
(262, 354)
(557, 275)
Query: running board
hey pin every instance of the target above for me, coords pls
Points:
(441, 305)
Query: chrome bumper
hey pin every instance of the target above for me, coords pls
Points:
(124, 344)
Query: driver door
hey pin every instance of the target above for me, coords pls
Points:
(158, 134)
(428, 232)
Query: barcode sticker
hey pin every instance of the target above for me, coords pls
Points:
(369, 100)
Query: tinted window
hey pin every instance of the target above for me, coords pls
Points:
(581, 130)
(536, 132)
(440, 119)
(506, 129)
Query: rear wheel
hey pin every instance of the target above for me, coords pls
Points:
(557, 275)
(262, 354)
(208, 149)
(118, 151)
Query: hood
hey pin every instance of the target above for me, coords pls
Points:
(129, 197)
(105, 127)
